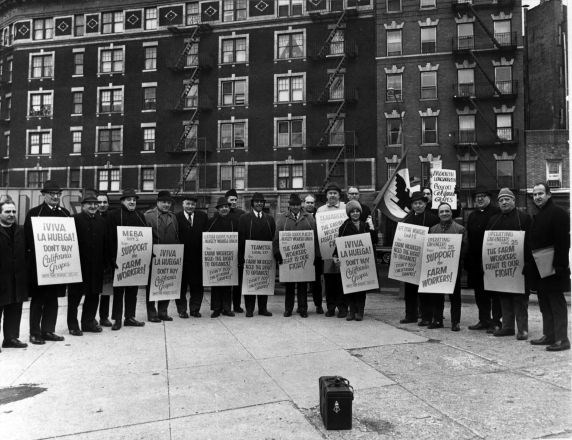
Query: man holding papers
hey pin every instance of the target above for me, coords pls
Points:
(549, 239)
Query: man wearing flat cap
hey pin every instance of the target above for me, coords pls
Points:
(126, 215)
(332, 279)
(295, 220)
(91, 231)
(192, 223)
(44, 304)
(488, 303)
(255, 225)
(235, 212)
(165, 231)
(420, 216)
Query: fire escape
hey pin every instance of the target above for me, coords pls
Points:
(475, 94)
(191, 63)
(337, 49)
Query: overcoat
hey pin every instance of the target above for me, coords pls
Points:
(476, 225)
(121, 217)
(250, 227)
(42, 210)
(14, 285)
(192, 238)
(287, 222)
(217, 223)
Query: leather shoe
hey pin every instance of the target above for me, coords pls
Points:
(196, 314)
(408, 321)
(435, 324)
(545, 340)
(478, 326)
(94, 328)
(504, 332)
(359, 316)
(49, 336)
(153, 319)
(132, 322)
(76, 332)
(455, 327)
(287, 314)
(165, 318)
(238, 310)
(342, 314)
(215, 314)
(493, 329)
(522, 336)
(37, 340)
(559, 346)
(228, 313)
(423, 323)
(183, 315)
(319, 310)
(264, 313)
(105, 322)
(13, 343)
(249, 314)
(350, 317)
(303, 314)
(116, 325)
(330, 313)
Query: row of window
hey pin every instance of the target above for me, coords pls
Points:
(465, 87)
(465, 37)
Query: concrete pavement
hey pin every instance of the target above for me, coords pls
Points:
(239, 378)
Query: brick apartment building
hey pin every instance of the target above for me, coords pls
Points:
(196, 96)
(548, 151)
(450, 88)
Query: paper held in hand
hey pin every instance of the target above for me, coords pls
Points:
(544, 259)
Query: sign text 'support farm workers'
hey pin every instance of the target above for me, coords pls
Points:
(134, 250)
(405, 264)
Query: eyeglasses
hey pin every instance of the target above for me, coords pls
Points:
(54, 194)
(426, 193)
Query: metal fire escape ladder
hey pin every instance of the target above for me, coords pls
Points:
(331, 122)
(186, 171)
(485, 74)
(187, 130)
(189, 83)
(325, 46)
(326, 91)
(487, 123)
(487, 30)
(181, 61)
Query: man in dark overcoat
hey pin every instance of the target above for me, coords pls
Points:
(550, 228)
(488, 303)
(192, 224)
(44, 304)
(255, 225)
(91, 231)
(126, 215)
(103, 210)
(14, 285)
(235, 212)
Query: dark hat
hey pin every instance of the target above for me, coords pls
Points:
(333, 187)
(192, 197)
(230, 192)
(221, 202)
(89, 198)
(50, 186)
(481, 190)
(418, 195)
(294, 199)
(128, 192)
(164, 196)
(257, 197)
(351, 205)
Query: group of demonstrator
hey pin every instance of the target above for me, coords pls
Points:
(96, 226)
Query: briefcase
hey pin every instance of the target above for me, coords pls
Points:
(336, 396)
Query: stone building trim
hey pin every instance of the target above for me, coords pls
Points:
(501, 16)
(392, 159)
(429, 158)
(464, 19)
(393, 25)
(504, 156)
(429, 112)
(466, 65)
(428, 22)
(394, 115)
(394, 69)
(467, 157)
(503, 62)
(503, 109)
(428, 67)
(466, 111)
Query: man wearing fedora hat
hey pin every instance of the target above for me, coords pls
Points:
(295, 220)
(235, 212)
(254, 225)
(192, 224)
(44, 304)
(165, 231)
(91, 231)
(126, 215)
(420, 216)
(488, 303)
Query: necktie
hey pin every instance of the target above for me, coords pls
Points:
(191, 220)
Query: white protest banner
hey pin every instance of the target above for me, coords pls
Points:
(443, 187)
(57, 250)
(406, 253)
(357, 263)
(328, 224)
(220, 258)
(440, 263)
(134, 249)
(503, 260)
(297, 250)
(259, 268)
(166, 272)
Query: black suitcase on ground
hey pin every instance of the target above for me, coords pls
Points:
(336, 395)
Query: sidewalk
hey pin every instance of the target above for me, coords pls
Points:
(239, 378)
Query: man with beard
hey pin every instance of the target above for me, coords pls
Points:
(126, 215)
(550, 229)
(44, 304)
(192, 223)
(91, 231)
